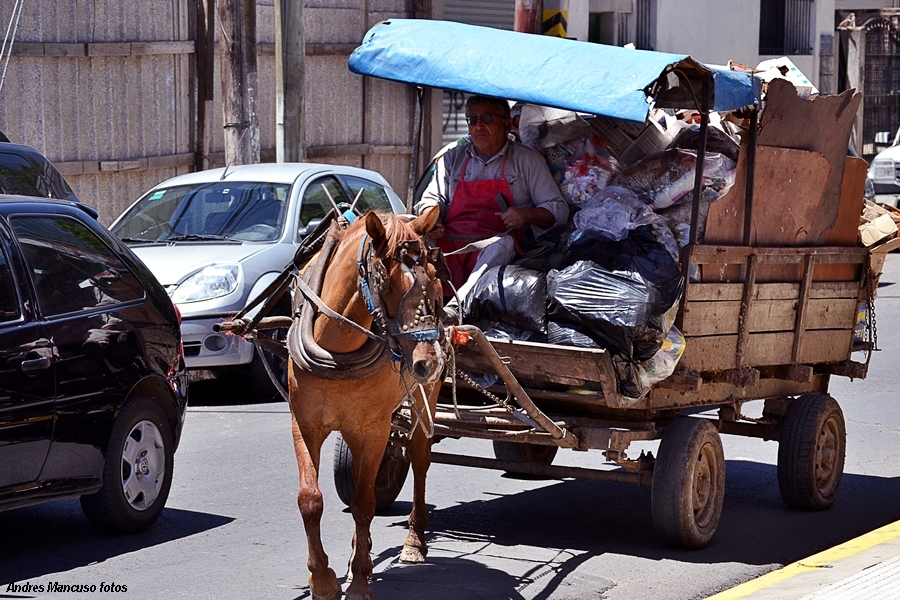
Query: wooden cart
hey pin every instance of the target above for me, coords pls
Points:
(774, 315)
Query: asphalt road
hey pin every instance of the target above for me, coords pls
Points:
(231, 528)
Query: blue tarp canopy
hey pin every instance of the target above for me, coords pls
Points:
(536, 69)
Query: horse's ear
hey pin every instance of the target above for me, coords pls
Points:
(375, 229)
(425, 222)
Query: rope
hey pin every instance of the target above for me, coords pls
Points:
(16, 13)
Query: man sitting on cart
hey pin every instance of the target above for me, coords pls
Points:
(493, 186)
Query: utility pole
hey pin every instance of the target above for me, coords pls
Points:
(239, 80)
(528, 16)
(290, 76)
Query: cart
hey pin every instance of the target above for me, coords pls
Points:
(769, 320)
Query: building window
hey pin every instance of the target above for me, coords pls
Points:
(644, 17)
(785, 25)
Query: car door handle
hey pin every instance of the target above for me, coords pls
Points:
(36, 364)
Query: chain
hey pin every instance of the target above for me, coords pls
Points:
(502, 402)
(870, 288)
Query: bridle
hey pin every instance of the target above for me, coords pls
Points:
(416, 317)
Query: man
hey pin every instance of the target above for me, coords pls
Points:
(489, 187)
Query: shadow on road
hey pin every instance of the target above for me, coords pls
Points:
(590, 518)
(55, 537)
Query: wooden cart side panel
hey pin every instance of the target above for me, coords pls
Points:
(721, 318)
(541, 362)
(771, 291)
(717, 353)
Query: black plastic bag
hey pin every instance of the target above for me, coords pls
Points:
(619, 290)
(509, 295)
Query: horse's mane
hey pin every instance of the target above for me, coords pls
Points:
(397, 230)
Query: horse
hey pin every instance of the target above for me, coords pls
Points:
(371, 339)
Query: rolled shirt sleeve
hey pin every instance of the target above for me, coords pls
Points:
(526, 171)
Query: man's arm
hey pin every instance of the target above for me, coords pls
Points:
(514, 217)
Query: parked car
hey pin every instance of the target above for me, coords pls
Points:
(884, 173)
(26, 172)
(217, 238)
(93, 377)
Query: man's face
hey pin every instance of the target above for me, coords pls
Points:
(488, 138)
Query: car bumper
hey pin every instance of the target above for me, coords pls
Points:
(206, 349)
(887, 193)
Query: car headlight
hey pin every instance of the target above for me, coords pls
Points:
(883, 169)
(211, 282)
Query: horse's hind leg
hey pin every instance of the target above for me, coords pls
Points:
(323, 583)
(414, 548)
(367, 455)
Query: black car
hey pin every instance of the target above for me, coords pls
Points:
(93, 388)
(26, 172)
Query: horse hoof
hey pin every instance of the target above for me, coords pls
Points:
(412, 555)
(329, 579)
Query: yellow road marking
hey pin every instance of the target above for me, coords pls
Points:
(816, 561)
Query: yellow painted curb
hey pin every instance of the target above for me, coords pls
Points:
(816, 561)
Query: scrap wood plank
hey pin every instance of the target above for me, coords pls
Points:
(845, 230)
(786, 122)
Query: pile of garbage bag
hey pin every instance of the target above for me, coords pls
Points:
(614, 281)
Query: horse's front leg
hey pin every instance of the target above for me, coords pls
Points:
(323, 583)
(414, 548)
(367, 455)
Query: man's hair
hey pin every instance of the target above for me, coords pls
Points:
(502, 106)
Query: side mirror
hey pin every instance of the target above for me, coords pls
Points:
(310, 227)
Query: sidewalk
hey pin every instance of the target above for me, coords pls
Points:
(865, 568)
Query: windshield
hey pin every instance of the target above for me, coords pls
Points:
(238, 211)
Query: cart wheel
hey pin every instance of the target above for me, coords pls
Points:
(537, 454)
(811, 452)
(688, 483)
(388, 483)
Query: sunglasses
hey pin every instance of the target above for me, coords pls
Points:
(486, 118)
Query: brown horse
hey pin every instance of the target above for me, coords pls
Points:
(379, 282)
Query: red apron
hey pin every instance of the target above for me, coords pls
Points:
(473, 216)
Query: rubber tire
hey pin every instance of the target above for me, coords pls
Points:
(108, 509)
(389, 481)
(811, 452)
(688, 487)
(536, 454)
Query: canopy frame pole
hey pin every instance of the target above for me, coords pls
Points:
(751, 171)
(414, 155)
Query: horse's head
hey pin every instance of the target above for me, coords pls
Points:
(401, 275)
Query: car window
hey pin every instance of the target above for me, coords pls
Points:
(374, 196)
(245, 211)
(9, 298)
(316, 203)
(73, 269)
(27, 176)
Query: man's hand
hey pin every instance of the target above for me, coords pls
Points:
(437, 232)
(513, 217)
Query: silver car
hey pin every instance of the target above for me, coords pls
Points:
(215, 239)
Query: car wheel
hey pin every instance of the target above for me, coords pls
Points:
(138, 470)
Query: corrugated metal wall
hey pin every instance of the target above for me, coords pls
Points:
(106, 90)
(498, 14)
(90, 85)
